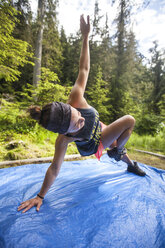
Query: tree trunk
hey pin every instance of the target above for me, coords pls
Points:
(12, 3)
(38, 48)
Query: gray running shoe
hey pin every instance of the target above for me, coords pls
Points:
(134, 168)
(116, 154)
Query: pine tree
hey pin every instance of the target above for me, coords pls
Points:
(24, 31)
(65, 61)
(96, 32)
(95, 41)
(158, 77)
(98, 96)
(13, 52)
(107, 56)
(72, 60)
(52, 50)
(24, 16)
(118, 83)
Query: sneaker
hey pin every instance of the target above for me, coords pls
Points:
(134, 168)
(116, 154)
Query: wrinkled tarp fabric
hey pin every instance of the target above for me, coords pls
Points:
(92, 204)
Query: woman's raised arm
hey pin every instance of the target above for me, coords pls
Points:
(77, 94)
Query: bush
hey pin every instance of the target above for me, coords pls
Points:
(148, 142)
(14, 119)
(48, 90)
(148, 124)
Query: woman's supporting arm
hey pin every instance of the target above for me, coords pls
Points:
(51, 174)
(54, 168)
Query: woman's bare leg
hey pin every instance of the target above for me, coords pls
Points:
(120, 131)
(117, 134)
(125, 158)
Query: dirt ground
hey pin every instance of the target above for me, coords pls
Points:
(134, 155)
(148, 159)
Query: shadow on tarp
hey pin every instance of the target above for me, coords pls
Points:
(92, 204)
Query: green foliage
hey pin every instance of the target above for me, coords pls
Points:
(98, 96)
(13, 52)
(47, 91)
(157, 77)
(151, 143)
(162, 106)
(148, 123)
(13, 119)
(51, 45)
(119, 83)
(70, 63)
(96, 32)
(21, 137)
(70, 58)
(23, 27)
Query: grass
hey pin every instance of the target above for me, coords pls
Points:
(22, 138)
(37, 143)
(40, 143)
(148, 143)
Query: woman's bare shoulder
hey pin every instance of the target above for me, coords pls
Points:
(79, 103)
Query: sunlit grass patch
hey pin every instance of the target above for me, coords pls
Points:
(148, 142)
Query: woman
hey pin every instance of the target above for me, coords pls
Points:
(79, 122)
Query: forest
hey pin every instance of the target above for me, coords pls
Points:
(39, 64)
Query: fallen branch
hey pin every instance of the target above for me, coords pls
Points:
(36, 160)
(151, 153)
(67, 157)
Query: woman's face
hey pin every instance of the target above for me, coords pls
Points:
(77, 121)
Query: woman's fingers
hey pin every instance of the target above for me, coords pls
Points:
(39, 205)
(82, 20)
(29, 204)
(84, 26)
(23, 205)
(88, 20)
(27, 208)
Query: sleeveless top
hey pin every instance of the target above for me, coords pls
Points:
(90, 132)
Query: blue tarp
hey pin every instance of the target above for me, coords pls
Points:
(92, 204)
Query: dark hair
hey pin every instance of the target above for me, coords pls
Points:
(42, 116)
(35, 112)
(54, 116)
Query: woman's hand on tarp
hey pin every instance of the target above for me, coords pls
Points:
(26, 205)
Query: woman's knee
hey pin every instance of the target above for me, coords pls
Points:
(130, 120)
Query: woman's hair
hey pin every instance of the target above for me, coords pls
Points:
(35, 112)
(42, 116)
(54, 116)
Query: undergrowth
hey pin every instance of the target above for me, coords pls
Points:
(22, 138)
(148, 142)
